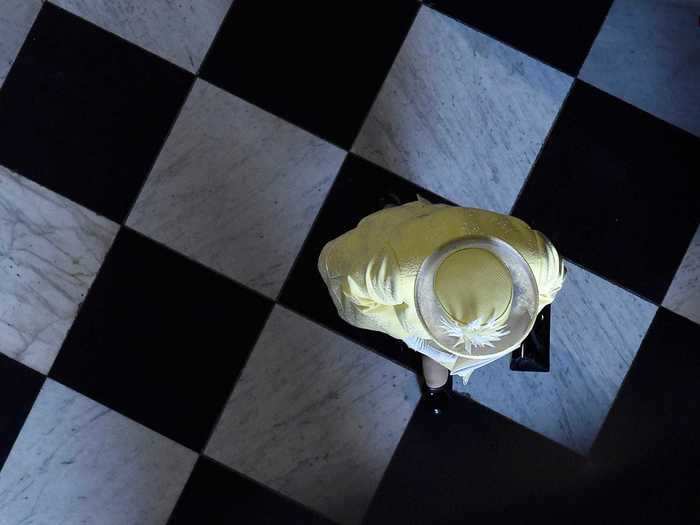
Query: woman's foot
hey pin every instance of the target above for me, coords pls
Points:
(438, 398)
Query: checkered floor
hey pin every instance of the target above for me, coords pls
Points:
(169, 172)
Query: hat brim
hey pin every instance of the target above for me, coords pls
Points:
(524, 307)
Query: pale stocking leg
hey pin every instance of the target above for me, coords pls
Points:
(434, 373)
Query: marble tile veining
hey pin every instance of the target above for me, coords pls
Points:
(50, 251)
(180, 32)
(236, 188)
(648, 54)
(462, 114)
(683, 296)
(596, 330)
(16, 18)
(312, 410)
(76, 461)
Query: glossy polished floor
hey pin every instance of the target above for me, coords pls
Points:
(169, 172)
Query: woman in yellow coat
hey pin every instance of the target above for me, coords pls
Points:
(462, 286)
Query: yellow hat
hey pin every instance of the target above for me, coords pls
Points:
(474, 284)
(476, 296)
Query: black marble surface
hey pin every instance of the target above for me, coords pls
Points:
(84, 113)
(19, 386)
(616, 191)
(470, 462)
(161, 339)
(317, 64)
(656, 413)
(217, 495)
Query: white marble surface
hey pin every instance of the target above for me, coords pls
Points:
(77, 462)
(647, 53)
(236, 188)
(180, 32)
(596, 330)
(50, 252)
(16, 19)
(683, 296)
(462, 114)
(315, 417)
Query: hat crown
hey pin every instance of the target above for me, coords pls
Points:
(474, 284)
(470, 339)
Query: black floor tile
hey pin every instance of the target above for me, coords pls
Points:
(357, 191)
(19, 387)
(558, 33)
(472, 461)
(647, 449)
(317, 64)
(85, 113)
(646, 492)
(656, 415)
(161, 339)
(216, 495)
(615, 189)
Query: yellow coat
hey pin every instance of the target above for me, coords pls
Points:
(370, 271)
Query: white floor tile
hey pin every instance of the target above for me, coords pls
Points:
(647, 54)
(16, 19)
(683, 296)
(50, 252)
(76, 461)
(596, 330)
(236, 188)
(462, 114)
(312, 411)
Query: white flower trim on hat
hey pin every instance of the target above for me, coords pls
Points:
(476, 333)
